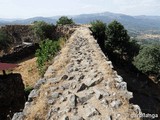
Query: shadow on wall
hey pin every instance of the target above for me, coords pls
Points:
(145, 92)
(12, 97)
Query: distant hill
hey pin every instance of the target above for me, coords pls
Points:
(132, 23)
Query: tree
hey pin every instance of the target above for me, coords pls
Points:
(43, 30)
(98, 29)
(148, 59)
(4, 40)
(64, 20)
(118, 41)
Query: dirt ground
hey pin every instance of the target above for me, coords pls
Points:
(29, 71)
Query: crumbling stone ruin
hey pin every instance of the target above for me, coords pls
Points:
(80, 85)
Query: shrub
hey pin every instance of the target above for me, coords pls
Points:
(64, 20)
(48, 48)
(148, 59)
(43, 30)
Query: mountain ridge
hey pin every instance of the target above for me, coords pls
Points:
(132, 23)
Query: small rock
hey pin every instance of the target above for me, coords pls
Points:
(81, 77)
(109, 63)
(100, 93)
(76, 118)
(83, 100)
(66, 86)
(81, 87)
(121, 86)
(39, 83)
(91, 111)
(137, 109)
(55, 95)
(64, 77)
(52, 89)
(34, 93)
(65, 118)
(71, 78)
(105, 102)
(128, 95)
(109, 118)
(73, 101)
(92, 82)
(116, 104)
(18, 116)
(53, 80)
(51, 102)
(119, 79)
(62, 99)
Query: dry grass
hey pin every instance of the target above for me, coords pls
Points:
(29, 71)
(38, 109)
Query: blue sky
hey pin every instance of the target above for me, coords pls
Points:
(47, 8)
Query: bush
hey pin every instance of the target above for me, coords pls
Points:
(48, 49)
(4, 40)
(64, 20)
(98, 29)
(43, 30)
(148, 59)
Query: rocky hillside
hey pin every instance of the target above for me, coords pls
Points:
(80, 85)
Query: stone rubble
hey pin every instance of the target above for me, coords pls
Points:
(80, 85)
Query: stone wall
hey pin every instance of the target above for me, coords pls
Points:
(20, 33)
(12, 97)
(80, 85)
(20, 52)
(25, 42)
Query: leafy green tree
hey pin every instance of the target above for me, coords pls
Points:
(98, 29)
(148, 59)
(43, 30)
(118, 41)
(4, 40)
(64, 20)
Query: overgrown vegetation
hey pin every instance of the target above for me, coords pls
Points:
(148, 59)
(4, 40)
(48, 49)
(123, 50)
(43, 30)
(64, 20)
(48, 44)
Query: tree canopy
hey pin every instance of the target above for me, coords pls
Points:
(64, 20)
(42, 29)
(98, 29)
(119, 42)
(148, 59)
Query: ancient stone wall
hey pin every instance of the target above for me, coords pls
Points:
(80, 85)
(20, 33)
(25, 42)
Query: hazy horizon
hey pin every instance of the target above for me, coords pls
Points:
(22, 9)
